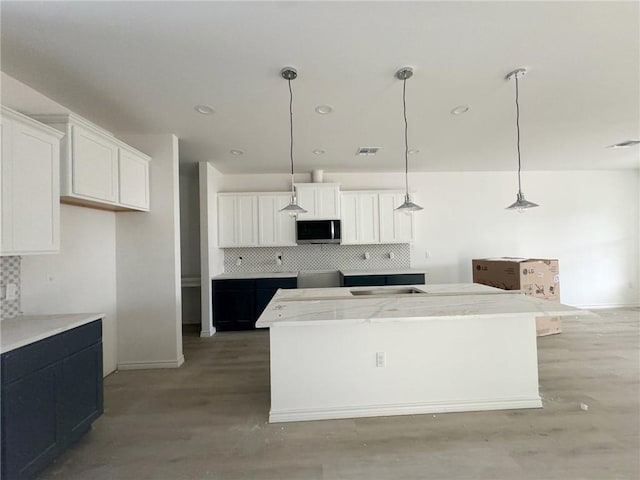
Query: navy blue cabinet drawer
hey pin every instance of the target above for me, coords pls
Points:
(406, 279)
(235, 284)
(276, 283)
(30, 358)
(364, 281)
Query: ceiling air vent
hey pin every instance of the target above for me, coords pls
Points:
(367, 150)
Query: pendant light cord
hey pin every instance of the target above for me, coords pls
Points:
(406, 141)
(291, 131)
(518, 130)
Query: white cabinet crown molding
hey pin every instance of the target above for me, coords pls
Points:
(31, 121)
(73, 119)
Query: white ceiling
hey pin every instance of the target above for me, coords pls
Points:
(141, 67)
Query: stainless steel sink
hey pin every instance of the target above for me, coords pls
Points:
(388, 291)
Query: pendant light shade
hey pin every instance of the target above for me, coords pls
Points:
(521, 204)
(408, 206)
(293, 209)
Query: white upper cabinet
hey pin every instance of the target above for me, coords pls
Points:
(321, 200)
(133, 179)
(30, 186)
(275, 228)
(98, 170)
(360, 219)
(255, 220)
(395, 227)
(237, 220)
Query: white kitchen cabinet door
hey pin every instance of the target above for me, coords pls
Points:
(307, 199)
(237, 220)
(247, 220)
(95, 165)
(349, 219)
(395, 227)
(275, 228)
(6, 183)
(321, 200)
(226, 221)
(133, 176)
(360, 223)
(328, 203)
(30, 186)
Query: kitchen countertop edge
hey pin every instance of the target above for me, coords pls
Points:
(253, 275)
(24, 330)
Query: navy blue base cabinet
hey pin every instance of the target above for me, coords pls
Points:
(52, 391)
(380, 280)
(237, 303)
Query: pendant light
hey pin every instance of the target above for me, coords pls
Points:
(408, 206)
(293, 209)
(521, 204)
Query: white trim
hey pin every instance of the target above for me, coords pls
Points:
(208, 333)
(31, 121)
(406, 409)
(608, 305)
(151, 365)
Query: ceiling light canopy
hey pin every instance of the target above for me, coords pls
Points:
(460, 109)
(318, 151)
(521, 204)
(293, 209)
(324, 109)
(236, 152)
(408, 206)
(203, 109)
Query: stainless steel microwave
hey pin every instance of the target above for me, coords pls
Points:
(317, 231)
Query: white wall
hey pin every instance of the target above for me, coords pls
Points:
(212, 256)
(589, 220)
(81, 278)
(148, 265)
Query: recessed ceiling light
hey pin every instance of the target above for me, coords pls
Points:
(460, 109)
(236, 152)
(324, 109)
(625, 144)
(203, 109)
(413, 151)
(318, 151)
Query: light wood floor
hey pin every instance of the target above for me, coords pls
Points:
(208, 420)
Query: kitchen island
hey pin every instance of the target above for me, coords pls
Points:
(375, 351)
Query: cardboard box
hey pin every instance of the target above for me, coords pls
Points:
(532, 276)
(548, 326)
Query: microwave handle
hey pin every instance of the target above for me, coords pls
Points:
(333, 233)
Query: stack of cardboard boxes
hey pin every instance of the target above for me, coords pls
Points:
(536, 277)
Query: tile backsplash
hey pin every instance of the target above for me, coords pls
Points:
(9, 274)
(317, 257)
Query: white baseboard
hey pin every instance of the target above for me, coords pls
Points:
(406, 409)
(207, 333)
(151, 365)
(607, 305)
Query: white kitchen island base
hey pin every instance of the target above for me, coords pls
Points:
(459, 348)
(430, 366)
